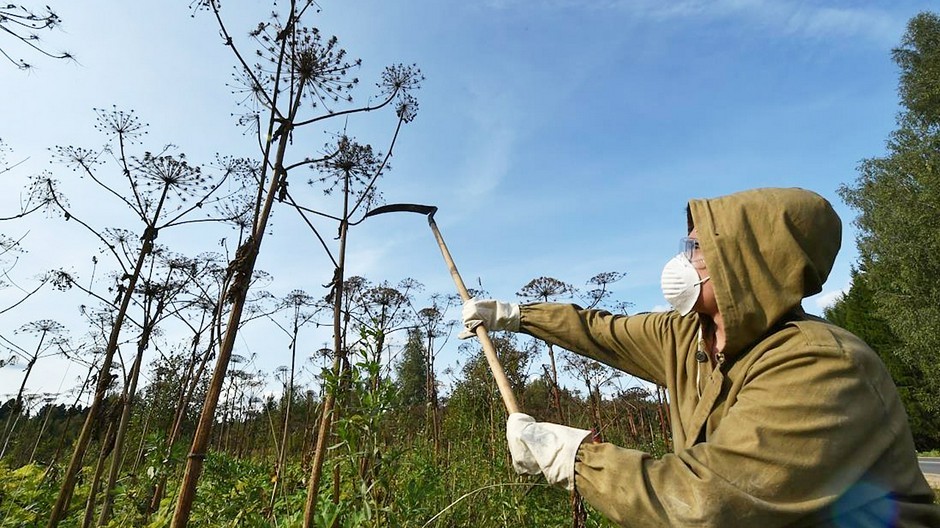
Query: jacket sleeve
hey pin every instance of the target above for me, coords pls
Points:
(798, 443)
(643, 345)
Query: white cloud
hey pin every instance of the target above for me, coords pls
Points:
(489, 137)
(814, 21)
(782, 17)
(825, 22)
(489, 162)
(826, 299)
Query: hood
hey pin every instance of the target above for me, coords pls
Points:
(766, 249)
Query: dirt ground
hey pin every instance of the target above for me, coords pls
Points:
(933, 480)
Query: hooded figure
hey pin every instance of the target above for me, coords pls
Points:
(778, 417)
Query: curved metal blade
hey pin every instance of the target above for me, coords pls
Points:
(428, 210)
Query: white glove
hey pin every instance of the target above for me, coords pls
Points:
(546, 448)
(493, 315)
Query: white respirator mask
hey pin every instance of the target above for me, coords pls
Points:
(680, 284)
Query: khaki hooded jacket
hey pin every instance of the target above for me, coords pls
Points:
(798, 425)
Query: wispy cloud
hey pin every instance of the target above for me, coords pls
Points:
(827, 299)
(778, 16)
(488, 161)
(489, 139)
(822, 21)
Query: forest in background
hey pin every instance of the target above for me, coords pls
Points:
(378, 438)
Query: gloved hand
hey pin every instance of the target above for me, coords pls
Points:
(546, 448)
(494, 315)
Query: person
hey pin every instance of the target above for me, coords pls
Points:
(778, 418)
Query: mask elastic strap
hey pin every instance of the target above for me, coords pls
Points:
(700, 344)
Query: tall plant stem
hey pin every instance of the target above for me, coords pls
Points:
(289, 397)
(243, 266)
(117, 455)
(68, 421)
(42, 430)
(96, 478)
(15, 411)
(556, 396)
(178, 416)
(339, 352)
(104, 379)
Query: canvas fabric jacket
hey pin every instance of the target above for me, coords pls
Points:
(801, 425)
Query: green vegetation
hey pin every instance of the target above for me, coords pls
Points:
(171, 425)
(894, 302)
(385, 465)
(364, 431)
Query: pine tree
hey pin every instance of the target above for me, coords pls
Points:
(898, 199)
(411, 370)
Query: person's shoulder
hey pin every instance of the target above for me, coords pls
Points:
(817, 347)
(811, 334)
(666, 321)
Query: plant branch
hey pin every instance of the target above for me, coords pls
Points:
(70, 216)
(300, 210)
(378, 172)
(330, 115)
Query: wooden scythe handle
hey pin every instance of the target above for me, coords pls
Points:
(502, 382)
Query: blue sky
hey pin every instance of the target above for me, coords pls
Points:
(558, 138)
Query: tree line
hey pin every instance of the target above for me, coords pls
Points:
(894, 300)
(394, 408)
(170, 424)
(165, 391)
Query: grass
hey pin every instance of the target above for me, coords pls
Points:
(932, 453)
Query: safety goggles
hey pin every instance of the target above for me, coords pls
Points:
(688, 246)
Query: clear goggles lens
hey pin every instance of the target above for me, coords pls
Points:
(688, 247)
